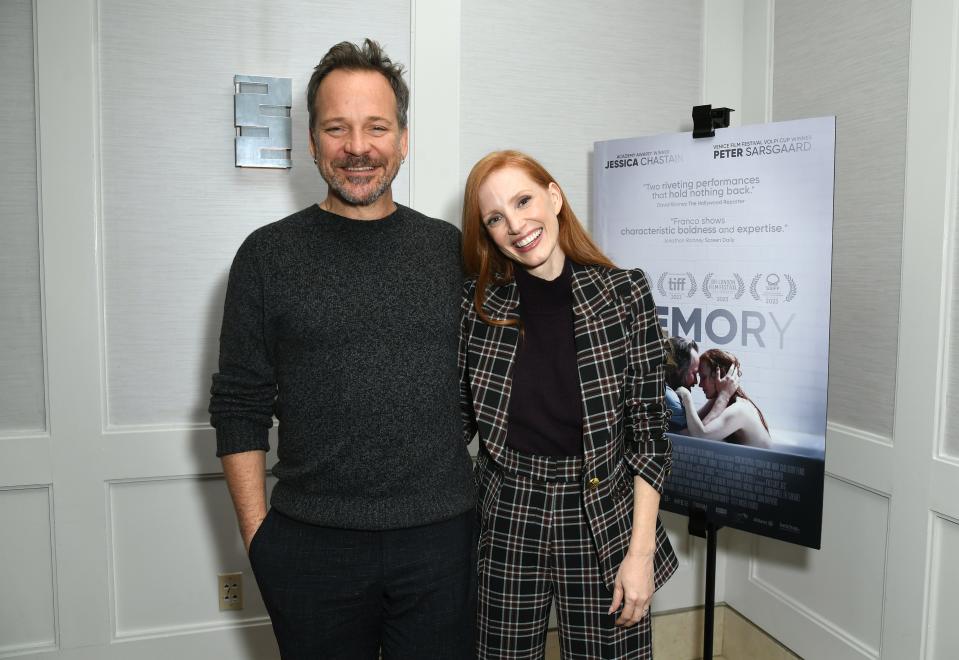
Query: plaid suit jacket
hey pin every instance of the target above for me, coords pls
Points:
(620, 355)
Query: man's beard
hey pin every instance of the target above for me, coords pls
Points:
(339, 184)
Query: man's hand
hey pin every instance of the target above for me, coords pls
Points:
(249, 530)
(633, 588)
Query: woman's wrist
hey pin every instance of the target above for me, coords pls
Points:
(641, 550)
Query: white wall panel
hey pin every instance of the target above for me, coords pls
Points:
(840, 586)
(850, 59)
(170, 539)
(951, 431)
(22, 406)
(174, 207)
(552, 78)
(27, 584)
(942, 634)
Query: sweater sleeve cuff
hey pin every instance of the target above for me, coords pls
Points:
(238, 435)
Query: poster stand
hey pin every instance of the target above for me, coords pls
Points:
(706, 120)
(728, 258)
(701, 526)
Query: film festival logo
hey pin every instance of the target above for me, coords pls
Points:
(677, 285)
(723, 289)
(773, 288)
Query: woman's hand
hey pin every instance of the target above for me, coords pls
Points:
(633, 588)
(728, 383)
(684, 394)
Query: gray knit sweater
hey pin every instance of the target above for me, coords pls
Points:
(346, 330)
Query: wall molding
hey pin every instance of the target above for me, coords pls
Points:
(165, 453)
(13, 650)
(860, 457)
(173, 427)
(25, 461)
(944, 490)
(862, 435)
(435, 101)
(154, 632)
(24, 434)
(933, 559)
(827, 626)
(162, 632)
(821, 622)
(949, 257)
(18, 650)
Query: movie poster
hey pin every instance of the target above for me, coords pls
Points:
(734, 233)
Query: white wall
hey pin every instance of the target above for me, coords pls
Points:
(117, 516)
(173, 207)
(22, 404)
(551, 78)
(117, 521)
(877, 589)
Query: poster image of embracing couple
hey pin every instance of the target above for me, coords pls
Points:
(729, 414)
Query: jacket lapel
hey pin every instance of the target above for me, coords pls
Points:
(495, 348)
(590, 293)
(592, 296)
(502, 301)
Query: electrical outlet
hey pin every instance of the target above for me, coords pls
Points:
(230, 591)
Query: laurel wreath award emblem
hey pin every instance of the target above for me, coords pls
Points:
(772, 291)
(792, 288)
(677, 285)
(722, 288)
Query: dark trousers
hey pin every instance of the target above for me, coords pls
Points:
(339, 593)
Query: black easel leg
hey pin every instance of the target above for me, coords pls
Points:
(699, 525)
(710, 605)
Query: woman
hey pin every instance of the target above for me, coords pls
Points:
(741, 421)
(561, 373)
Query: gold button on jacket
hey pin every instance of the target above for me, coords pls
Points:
(594, 483)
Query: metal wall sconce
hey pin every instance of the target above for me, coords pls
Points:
(261, 107)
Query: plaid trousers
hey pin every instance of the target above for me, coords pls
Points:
(536, 544)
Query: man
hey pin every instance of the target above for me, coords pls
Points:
(682, 366)
(342, 320)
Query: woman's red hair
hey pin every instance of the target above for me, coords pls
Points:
(483, 260)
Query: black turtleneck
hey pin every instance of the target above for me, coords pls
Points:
(545, 408)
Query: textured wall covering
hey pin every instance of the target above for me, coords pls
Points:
(21, 348)
(851, 59)
(552, 78)
(174, 207)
